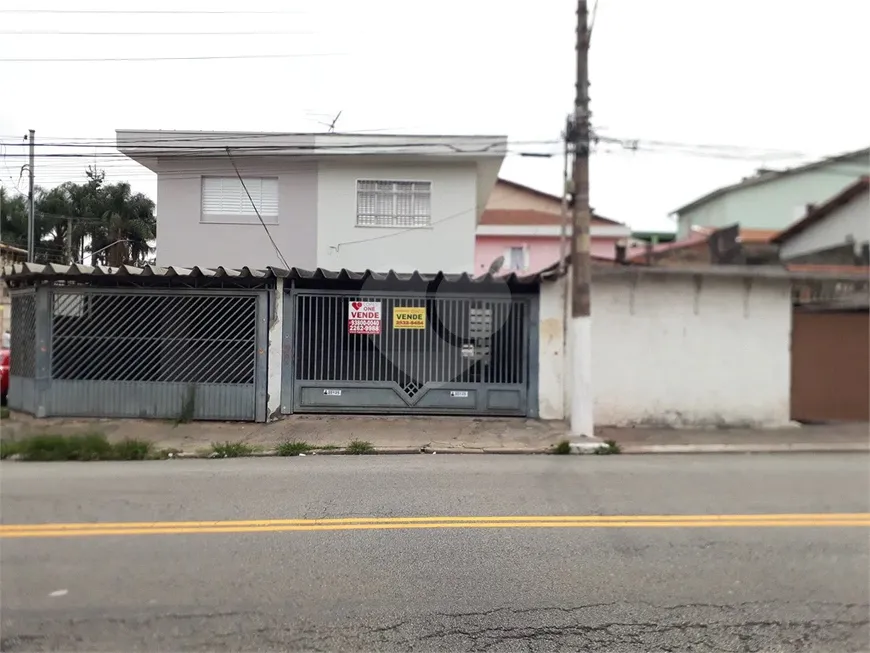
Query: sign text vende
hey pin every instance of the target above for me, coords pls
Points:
(363, 317)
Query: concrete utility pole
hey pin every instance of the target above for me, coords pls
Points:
(31, 219)
(69, 241)
(582, 422)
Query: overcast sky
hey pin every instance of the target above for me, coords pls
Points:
(778, 82)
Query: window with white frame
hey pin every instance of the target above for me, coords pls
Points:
(393, 203)
(225, 197)
(517, 258)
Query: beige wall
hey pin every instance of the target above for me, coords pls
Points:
(506, 197)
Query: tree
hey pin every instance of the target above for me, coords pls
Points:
(126, 227)
(111, 222)
(13, 218)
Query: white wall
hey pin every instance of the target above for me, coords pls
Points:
(184, 240)
(447, 246)
(853, 220)
(551, 361)
(667, 352)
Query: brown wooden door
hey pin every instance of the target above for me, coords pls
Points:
(830, 366)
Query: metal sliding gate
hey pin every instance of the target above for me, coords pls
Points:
(395, 353)
(157, 353)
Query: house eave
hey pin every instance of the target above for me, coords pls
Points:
(148, 147)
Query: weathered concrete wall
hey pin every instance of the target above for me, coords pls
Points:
(681, 351)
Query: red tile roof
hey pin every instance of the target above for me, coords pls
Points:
(532, 218)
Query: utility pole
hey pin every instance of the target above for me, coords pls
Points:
(31, 217)
(582, 421)
(69, 241)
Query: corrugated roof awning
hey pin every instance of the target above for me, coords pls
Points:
(21, 271)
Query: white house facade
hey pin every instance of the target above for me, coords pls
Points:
(772, 200)
(317, 200)
(842, 220)
(675, 348)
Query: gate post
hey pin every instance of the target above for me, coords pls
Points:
(42, 360)
(288, 374)
(276, 334)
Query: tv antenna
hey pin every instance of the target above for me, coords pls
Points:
(331, 125)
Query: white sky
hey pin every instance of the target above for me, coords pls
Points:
(766, 76)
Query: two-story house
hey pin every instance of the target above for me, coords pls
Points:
(772, 200)
(333, 201)
(525, 226)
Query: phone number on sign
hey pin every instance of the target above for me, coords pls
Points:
(364, 326)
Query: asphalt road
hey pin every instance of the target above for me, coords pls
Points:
(625, 586)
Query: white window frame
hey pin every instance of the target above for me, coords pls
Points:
(526, 257)
(245, 213)
(397, 222)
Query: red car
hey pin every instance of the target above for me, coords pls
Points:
(4, 374)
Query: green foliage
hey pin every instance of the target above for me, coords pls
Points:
(610, 448)
(359, 448)
(293, 448)
(4, 413)
(8, 448)
(84, 447)
(110, 224)
(231, 449)
(563, 448)
(132, 450)
(188, 407)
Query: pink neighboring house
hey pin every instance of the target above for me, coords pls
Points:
(524, 225)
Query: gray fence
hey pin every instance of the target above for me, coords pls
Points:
(451, 355)
(22, 368)
(177, 354)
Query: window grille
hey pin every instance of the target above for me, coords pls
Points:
(393, 203)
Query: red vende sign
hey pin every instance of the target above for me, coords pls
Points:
(364, 317)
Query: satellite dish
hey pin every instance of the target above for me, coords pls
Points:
(496, 265)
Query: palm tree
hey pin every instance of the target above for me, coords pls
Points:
(127, 225)
(115, 224)
(13, 218)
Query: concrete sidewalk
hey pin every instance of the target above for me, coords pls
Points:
(846, 437)
(447, 435)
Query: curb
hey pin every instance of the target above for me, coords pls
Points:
(746, 448)
(377, 451)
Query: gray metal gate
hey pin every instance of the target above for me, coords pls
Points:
(444, 355)
(157, 353)
(22, 368)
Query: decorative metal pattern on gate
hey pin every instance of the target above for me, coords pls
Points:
(154, 337)
(23, 335)
(462, 346)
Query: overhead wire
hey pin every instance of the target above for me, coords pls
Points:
(133, 12)
(190, 58)
(142, 33)
(257, 211)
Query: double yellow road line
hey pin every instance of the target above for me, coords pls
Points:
(409, 523)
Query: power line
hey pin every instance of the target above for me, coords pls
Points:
(196, 58)
(139, 33)
(257, 211)
(458, 141)
(134, 12)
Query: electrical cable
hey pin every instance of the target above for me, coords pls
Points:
(137, 33)
(257, 211)
(169, 12)
(193, 58)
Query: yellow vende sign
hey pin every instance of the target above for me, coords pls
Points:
(409, 317)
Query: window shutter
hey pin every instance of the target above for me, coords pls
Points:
(227, 196)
